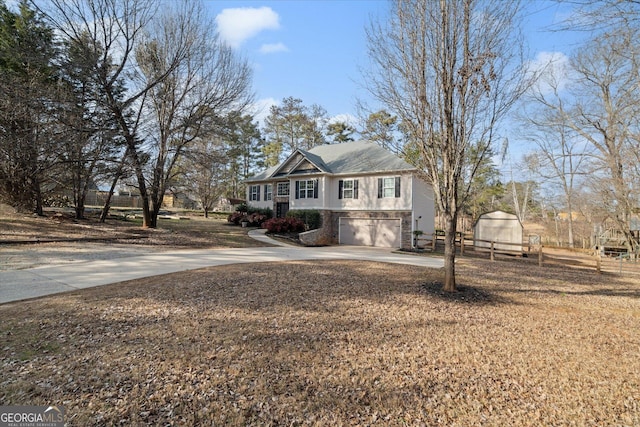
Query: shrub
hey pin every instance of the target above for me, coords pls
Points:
(262, 211)
(236, 217)
(311, 217)
(256, 219)
(254, 216)
(284, 225)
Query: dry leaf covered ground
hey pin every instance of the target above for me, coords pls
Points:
(333, 343)
(64, 239)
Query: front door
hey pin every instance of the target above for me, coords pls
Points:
(282, 209)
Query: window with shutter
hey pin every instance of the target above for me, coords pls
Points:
(348, 189)
(307, 189)
(389, 187)
(254, 193)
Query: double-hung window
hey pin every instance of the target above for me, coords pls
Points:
(254, 193)
(268, 192)
(388, 187)
(348, 189)
(307, 189)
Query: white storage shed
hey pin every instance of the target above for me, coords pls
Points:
(501, 227)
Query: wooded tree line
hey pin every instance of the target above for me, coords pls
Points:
(117, 92)
(104, 91)
(582, 115)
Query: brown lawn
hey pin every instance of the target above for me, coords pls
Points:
(333, 343)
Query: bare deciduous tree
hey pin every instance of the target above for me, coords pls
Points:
(204, 168)
(147, 57)
(450, 70)
(604, 112)
(114, 29)
(209, 82)
(560, 158)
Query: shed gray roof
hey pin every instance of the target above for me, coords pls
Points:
(355, 157)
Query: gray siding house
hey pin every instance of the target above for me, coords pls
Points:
(366, 194)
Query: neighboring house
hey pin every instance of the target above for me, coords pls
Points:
(366, 195)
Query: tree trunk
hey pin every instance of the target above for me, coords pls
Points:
(570, 224)
(39, 207)
(147, 221)
(450, 253)
(80, 199)
(107, 203)
(112, 189)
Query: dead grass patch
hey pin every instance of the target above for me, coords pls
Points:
(194, 232)
(332, 343)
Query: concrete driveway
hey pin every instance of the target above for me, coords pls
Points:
(18, 285)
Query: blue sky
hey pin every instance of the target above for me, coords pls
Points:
(317, 47)
(313, 49)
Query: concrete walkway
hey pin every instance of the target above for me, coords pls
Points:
(18, 285)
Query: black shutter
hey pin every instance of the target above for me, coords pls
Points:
(397, 186)
(258, 188)
(297, 188)
(340, 187)
(379, 188)
(355, 188)
(315, 189)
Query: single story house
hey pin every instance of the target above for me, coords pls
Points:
(366, 195)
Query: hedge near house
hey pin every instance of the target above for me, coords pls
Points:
(310, 217)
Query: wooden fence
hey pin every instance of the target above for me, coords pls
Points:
(578, 258)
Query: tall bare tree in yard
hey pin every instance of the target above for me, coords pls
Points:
(210, 81)
(117, 29)
(203, 170)
(450, 70)
(561, 155)
(114, 28)
(604, 112)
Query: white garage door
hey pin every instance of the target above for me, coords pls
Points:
(370, 232)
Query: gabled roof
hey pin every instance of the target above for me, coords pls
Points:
(357, 157)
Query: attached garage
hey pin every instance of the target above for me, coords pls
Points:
(385, 233)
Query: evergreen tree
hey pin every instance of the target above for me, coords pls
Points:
(27, 86)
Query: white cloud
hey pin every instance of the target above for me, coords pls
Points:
(553, 69)
(273, 48)
(262, 107)
(349, 119)
(239, 24)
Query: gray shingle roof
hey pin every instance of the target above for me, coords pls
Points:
(355, 157)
